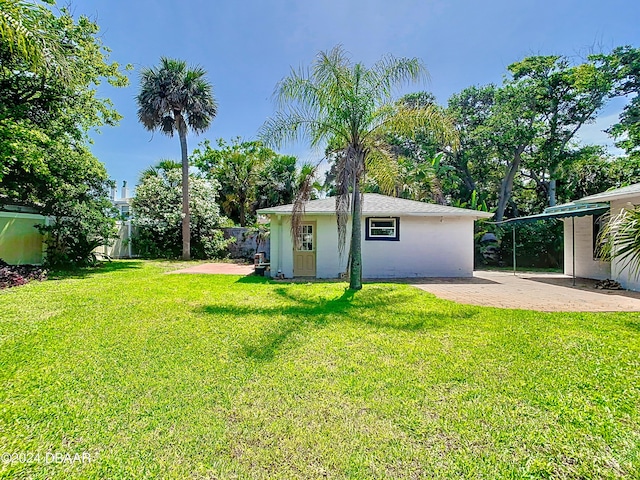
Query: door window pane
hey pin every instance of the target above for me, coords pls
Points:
(305, 238)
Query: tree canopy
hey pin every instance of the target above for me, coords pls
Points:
(50, 68)
(250, 175)
(157, 216)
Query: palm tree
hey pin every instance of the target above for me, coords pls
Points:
(350, 107)
(620, 239)
(157, 170)
(175, 98)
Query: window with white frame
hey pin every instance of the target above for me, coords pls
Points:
(383, 229)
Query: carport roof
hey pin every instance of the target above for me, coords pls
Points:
(565, 210)
(375, 204)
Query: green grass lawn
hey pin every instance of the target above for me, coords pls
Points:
(222, 377)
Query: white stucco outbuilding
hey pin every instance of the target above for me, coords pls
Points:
(583, 220)
(400, 238)
(582, 233)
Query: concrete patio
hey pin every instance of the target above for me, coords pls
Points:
(545, 292)
(220, 268)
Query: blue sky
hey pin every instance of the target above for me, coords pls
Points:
(248, 46)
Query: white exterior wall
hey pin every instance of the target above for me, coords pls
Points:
(428, 247)
(280, 239)
(328, 261)
(623, 275)
(586, 266)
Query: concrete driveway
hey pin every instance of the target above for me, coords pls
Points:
(219, 268)
(545, 292)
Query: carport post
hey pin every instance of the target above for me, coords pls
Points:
(573, 248)
(513, 231)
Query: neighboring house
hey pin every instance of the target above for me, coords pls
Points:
(583, 220)
(400, 238)
(20, 241)
(121, 247)
(122, 204)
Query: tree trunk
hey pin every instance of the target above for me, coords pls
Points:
(552, 192)
(242, 215)
(355, 275)
(506, 186)
(186, 217)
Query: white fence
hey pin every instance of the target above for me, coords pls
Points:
(121, 247)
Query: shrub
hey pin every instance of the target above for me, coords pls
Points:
(157, 218)
(79, 227)
(538, 244)
(15, 275)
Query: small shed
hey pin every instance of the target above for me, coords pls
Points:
(400, 238)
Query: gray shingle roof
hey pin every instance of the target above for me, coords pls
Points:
(375, 204)
(618, 193)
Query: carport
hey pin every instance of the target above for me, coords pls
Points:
(566, 210)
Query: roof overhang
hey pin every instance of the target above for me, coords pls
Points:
(473, 215)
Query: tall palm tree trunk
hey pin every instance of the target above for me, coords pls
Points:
(186, 217)
(355, 275)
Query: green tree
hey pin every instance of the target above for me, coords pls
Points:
(237, 168)
(422, 171)
(566, 97)
(174, 98)
(510, 131)
(279, 181)
(50, 66)
(157, 217)
(250, 175)
(624, 64)
(590, 170)
(497, 126)
(350, 107)
(474, 161)
(24, 30)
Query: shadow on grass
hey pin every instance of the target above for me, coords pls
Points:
(633, 325)
(253, 278)
(379, 309)
(102, 268)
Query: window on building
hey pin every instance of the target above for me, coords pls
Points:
(598, 224)
(383, 229)
(305, 238)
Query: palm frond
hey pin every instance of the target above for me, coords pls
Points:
(23, 32)
(383, 168)
(406, 121)
(305, 190)
(297, 88)
(620, 240)
(390, 73)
